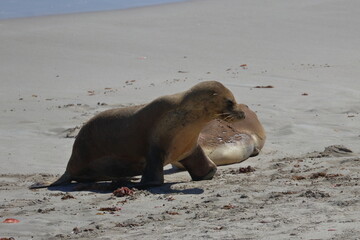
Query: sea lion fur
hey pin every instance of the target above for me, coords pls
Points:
(141, 140)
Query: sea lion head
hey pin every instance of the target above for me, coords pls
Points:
(214, 100)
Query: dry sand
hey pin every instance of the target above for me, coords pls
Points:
(56, 72)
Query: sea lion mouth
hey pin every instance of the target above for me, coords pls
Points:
(232, 116)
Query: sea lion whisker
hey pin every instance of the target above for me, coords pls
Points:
(226, 114)
(221, 114)
(229, 117)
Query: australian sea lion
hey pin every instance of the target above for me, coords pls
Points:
(140, 140)
(227, 143)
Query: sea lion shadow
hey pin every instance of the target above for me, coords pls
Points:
(109, 187)
(64, 188)
(95, 187)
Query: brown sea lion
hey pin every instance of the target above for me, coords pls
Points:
(227, 143)
(141, 140)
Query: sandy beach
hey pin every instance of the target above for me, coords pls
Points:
(56, 72)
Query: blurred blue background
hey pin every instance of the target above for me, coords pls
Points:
(31, 8)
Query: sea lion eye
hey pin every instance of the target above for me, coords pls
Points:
(229, 103)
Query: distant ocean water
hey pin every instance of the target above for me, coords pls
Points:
(32, 8)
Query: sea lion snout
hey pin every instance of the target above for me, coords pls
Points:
(233, 116)
(239, 115)
(234, 112)
(238, 112)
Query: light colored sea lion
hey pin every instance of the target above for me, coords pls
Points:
(227, 143)
(141, 140)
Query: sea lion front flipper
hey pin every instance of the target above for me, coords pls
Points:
(153, 174)
(199, 166)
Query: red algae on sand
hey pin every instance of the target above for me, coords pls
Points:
(268, 86)
(10, 220)
(123, 191)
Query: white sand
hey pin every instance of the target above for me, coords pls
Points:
(311, 47)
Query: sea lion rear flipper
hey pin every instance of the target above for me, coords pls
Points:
(38, 185)
(63, 180)
(255, 152)
(153, 174)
